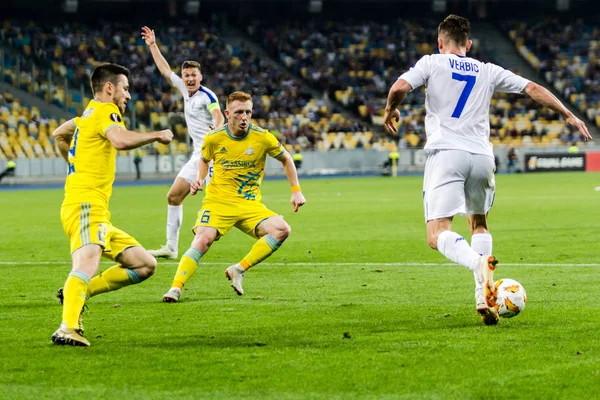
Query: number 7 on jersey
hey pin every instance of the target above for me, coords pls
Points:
(462, 100)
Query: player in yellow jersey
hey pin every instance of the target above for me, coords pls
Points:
(239, 151)
(89, 144)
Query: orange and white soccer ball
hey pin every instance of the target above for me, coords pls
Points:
(511, 298)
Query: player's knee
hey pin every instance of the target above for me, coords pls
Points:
(286, 230)
(478, 224)
(173, 199)
(151, 266)
(147, 267)
(280, 232)
(202, 242)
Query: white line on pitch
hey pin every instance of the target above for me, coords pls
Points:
(326, 264)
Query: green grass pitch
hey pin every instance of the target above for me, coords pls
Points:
(353, 306)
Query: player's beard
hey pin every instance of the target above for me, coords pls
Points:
(122, 105)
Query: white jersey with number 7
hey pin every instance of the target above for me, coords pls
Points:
(457, 100)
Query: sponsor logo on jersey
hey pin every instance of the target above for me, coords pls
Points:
(223, 150)
(249, 151)
(234, 164)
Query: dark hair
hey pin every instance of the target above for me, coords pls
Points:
(456, 29)
(106, 72)
(191, 64)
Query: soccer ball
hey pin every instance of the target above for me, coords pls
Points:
(511, 298)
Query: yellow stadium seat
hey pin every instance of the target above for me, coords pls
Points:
(139, 107)
(182, 148)
(154, 118)
(180, 130)
(162, 149)
(412, 139)
(362, 110)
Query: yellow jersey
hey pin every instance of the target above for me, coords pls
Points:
(239, 162)
(92, 157)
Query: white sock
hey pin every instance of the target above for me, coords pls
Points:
(174, 218)
(482, 243)
(455, 248)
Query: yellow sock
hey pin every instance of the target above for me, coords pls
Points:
(74, 294)
(262, 249)
(113, 278)
(187, 267)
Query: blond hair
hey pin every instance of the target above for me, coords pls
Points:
(238, 96)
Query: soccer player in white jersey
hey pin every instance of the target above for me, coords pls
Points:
(202, 114)
(459, 173)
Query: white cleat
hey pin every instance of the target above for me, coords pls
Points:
(235, 274)
(70, 337)
(489, 315)
(172, 296)
(486, 293)
(164, 252)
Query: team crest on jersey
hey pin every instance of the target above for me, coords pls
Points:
(223, 150)
(249, 151)
(87, 112)
(115, 117)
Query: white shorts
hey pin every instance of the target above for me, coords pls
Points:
(458, 183)
(188, 171)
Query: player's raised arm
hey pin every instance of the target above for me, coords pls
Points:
(62, 137)
(123, 139)
(546, 98)
(162, 64)
(289, 168)
(396, 96)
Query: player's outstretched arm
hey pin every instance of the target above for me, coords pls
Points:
(289, 168)
(160, 61)
(198, 184)
(62, 138)
(546, 98)
(122, 139)
(396, 96)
